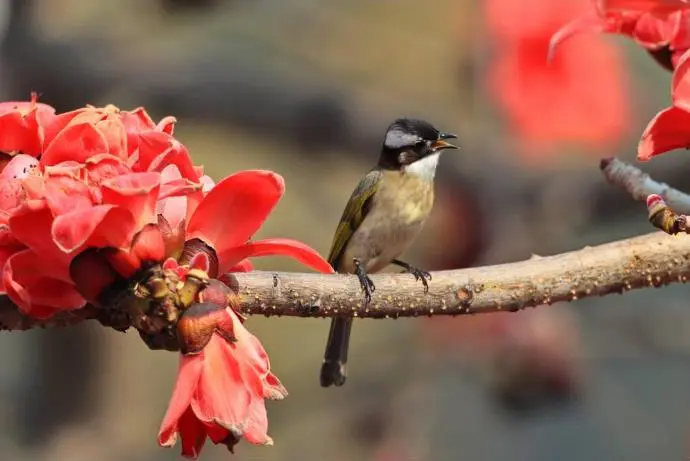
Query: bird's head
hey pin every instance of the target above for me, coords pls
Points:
(414, 146)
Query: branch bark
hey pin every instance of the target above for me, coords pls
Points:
(639, 184)
(652, 260)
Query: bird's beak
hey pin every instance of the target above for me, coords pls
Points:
(440, 143)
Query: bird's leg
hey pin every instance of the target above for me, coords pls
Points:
(418, 273)
(364, 280)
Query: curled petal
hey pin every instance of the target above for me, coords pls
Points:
(136, 192)
(667, 131)
(75, 142)
(99, 226)
(105, 166)
(21, 126)
(35, 293)
(167, 125)
(115, 135)
(235, 209)
(31, 224)
(65, 194)
(274, 247)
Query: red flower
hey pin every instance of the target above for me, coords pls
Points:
(666, 37)
(668, 130)
(96, 185)
(220, 390)
(548, 103)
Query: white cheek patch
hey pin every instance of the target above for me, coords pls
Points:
(424, 168)
(396, 139)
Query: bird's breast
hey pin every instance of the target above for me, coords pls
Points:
(400, 209)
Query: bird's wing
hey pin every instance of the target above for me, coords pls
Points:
(356, 210)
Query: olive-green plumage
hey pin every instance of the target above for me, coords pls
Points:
(383, 216)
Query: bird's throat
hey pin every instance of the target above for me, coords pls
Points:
(424, 168)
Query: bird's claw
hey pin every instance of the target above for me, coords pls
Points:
(365, 282)
(419, 275)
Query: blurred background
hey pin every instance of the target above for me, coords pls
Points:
(307, 88)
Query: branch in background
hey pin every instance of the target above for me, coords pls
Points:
(666, 206)
(651, 260)
(640, 185)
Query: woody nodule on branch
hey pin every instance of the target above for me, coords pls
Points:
(104, 216)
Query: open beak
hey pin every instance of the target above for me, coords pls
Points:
(440, 143)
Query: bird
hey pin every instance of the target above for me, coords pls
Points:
(382, 218)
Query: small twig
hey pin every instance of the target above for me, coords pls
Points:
(640, 185)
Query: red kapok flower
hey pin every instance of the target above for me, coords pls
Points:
(223, 378)
(549, 103)
(670, 128)
(665, 37)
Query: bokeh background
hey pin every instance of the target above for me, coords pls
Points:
(307, 88)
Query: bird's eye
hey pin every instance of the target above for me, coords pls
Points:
(420, 143)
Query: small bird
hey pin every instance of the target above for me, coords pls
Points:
(384, 215)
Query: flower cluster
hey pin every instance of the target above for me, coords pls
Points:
(97, 196)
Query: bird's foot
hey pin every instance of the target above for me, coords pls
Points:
(367, 285)
(419, 274)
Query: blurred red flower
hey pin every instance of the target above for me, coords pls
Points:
(659, 7)
(665, 37)
(550, 103)
(669, 130)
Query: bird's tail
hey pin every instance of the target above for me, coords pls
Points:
(335, 358)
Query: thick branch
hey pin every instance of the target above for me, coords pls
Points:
(654, 260)
(640, 185)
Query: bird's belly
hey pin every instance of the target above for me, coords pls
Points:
(377, 242)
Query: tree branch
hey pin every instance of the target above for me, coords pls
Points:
(639, 184)
(651, 260)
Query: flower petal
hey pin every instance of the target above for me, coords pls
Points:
(680, 83)
(243, 266)
(667, 131)
(235, 209)
(100, 226)
(188, 376)
(137, 192)
(35, 293)
(75, 142)
(274, 247)
(212, 402)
